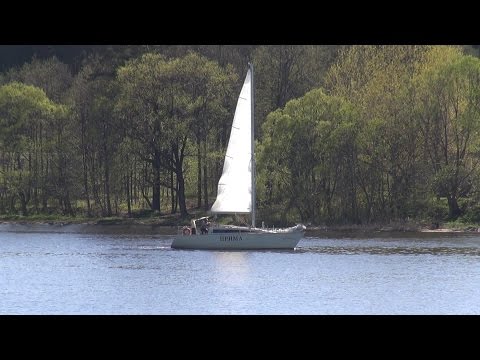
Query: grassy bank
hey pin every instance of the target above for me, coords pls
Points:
(144, 218)
(154, 218)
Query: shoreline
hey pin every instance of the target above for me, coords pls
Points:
(396, 228)
(164, 223)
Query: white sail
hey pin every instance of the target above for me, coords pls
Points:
(234, 193)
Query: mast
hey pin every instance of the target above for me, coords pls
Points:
(252, 92)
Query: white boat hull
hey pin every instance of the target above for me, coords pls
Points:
(239, 240)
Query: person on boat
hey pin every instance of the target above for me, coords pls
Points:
(204, 226)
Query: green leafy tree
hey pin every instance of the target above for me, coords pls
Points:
(51, 75)
(23, 110)
(285, 72)
(305, 152)
(448, 111)
(378, 80)
(168, 104)
(98, 134)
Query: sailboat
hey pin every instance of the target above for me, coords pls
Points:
(236, 193)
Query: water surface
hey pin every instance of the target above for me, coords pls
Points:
(78, 269)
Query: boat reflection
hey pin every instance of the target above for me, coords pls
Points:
(231, 267)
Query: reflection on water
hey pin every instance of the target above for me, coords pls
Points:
(231, 267)
(86, 272)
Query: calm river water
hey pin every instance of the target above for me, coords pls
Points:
(77, 269)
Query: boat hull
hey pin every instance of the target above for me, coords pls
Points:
(238, 241)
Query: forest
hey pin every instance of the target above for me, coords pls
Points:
(353, 134)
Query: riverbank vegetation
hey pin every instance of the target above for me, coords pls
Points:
(346, 135)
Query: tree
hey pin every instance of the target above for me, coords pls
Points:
(378, 80)
(448, 111)
(168, 103)
(284, 72)
(51, 75)
(305, 152)
(99, 131)
(23, 110)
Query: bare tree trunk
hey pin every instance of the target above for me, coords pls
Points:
(176, 195)
(172, 193)
(107, 189)
(108, 204)
(115, 201)
(45, 190)
(127, 190)
(181, 194)
(35, 171)
(178, 157)
(68, 206)
(205, 177)
(94, 186)
(85, 167)
(12, 204)
(453, 209)
(199, 175)
(23, 203)
(156, 182)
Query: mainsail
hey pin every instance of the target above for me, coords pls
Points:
(234, 193)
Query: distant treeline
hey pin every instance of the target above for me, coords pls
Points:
(345, 134)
